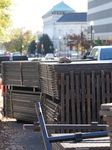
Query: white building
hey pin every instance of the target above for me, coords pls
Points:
(62, 20)
(100, 12)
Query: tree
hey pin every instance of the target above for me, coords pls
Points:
(5, 17)
(45, 44)
(108, 42)
(98, 42)
(73, 40)
(20, 39)
(32, 46)
(77, 41)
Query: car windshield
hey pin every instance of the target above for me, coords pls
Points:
(49, 54)
(106, 54)
(16, 54)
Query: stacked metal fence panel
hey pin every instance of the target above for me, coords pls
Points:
(50, 74)
(77, 88)
(81, 96)
(48, 80)
(30, 74)
(106, 112)
(81, 88)
(21, 80)
(15, 58)
(20, 105)
(11, 73)
(20, 74)
(52, 111)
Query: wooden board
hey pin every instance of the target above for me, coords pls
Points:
(87, 144)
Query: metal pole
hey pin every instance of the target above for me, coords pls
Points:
(47, 144)
(77, 136)
(91, 24)
(91, 34)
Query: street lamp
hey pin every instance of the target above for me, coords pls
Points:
(36, 48)
(93, 34)
(59, 46)
(22, 49)
(91, 24)
(60, 43)
(50, 47)
(42, 49)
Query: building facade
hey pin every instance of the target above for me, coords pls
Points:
(100, 12)
(62, 20)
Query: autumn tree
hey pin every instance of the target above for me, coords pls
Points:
(77, 41)
(5, 18)
(19, 40)
(107, 42)
(72, 40)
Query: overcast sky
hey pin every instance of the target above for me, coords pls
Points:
(28, 13)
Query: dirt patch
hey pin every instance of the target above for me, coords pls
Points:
(13, 137)
(7, 137)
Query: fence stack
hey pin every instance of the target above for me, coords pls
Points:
(22, 89)
(106, 112)
(80, 88)
(70, 92)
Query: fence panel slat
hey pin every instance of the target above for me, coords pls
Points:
(88, 99)
(62, 99)
(73, 97)
(83, 97)
(78, 100)
(98, 98)
(93, 97)
(67, 100)
(111, 87)
(103, 86)
(107, 88)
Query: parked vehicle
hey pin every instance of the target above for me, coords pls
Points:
(101, 53)
(31, 55)
(49, 56)
(15, 54)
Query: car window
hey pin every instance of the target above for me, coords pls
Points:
(94, 53)
(16, 54)
(106, 54)
(49, 54)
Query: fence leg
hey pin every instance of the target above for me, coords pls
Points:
(45, 137)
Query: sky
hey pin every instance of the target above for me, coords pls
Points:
(28, 13)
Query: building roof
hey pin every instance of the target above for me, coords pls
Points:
(73, 17)
(60, 7)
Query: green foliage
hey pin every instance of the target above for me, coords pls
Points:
(98, 42)
(47, 44)
(107, 42)
(5, 17)
(19, 40)
(32, 47)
